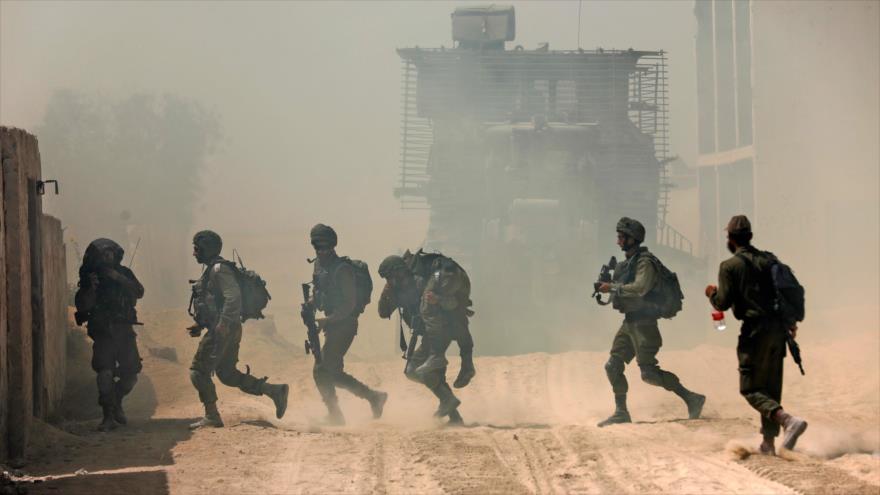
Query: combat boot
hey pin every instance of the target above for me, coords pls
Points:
(695, 404)
(467, 371)
(107, 424)
(278, 394)
(767, 447)
(455, 418)
(211, 419)
(621, 414)
(448, 402)
(119, 413)
(792, 426)
(377, 404)
(334, 416)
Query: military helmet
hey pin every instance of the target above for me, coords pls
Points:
(390, 265)
(209, 241)
(323, 236)
(94, 255)
(632, 228)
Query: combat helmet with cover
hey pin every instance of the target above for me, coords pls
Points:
(666, 297)
(322, 235)
(254, 294)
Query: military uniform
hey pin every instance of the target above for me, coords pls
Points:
(639, 336)
(438, 324)
(745, 284)
(217, 302)
(336, 295)
(106, 299)
(761, 346)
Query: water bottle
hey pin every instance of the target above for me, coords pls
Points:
(718, 320)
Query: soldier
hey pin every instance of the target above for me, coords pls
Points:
(745, 285)
(106, 299)
(217, 301)
(336, 294)
(638, 337)
(407, 279)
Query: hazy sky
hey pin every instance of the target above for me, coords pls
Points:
(305, 90)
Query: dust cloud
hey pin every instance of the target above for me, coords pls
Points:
(299, 106)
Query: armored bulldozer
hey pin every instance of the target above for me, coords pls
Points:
(526, 159)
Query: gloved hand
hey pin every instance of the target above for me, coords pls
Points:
(194, 330)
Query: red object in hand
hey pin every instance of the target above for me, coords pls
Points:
(718, 320)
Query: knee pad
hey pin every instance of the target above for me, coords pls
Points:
(651, 375)
(614, 366)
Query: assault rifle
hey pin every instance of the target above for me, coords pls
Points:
(604, 278)
(408, 348)
(313, 341)
(795, 351)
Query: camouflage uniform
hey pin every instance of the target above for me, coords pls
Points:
(218, 308)
(107, 295)
(639, 336)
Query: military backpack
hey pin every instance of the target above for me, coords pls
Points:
(788, 293)
(363, 282)
(666, 295)
(254, 294)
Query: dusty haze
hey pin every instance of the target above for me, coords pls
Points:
(306, 97)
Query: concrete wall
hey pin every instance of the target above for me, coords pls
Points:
(33, 300)
(4, 368)
(55, 301)
(17, 149)
(817, 118)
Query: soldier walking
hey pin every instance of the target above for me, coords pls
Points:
(217, 301)
(634, 292)
(437, 309)
(745, 283)
(106, 299)
(336, 294)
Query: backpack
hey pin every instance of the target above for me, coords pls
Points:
(363, 283)
(788, 293)
(666, 295)
(254, 295)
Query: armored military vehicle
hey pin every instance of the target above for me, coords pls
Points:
(526, 158)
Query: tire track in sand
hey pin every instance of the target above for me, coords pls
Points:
(807, 476)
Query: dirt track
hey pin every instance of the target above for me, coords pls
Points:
(530, 429)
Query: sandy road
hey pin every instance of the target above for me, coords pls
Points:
(530, 429)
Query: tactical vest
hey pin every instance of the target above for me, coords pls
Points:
(112, 303)
(625, 273)
(207, 298)
(328, 294)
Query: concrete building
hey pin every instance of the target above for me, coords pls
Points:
(788, 135)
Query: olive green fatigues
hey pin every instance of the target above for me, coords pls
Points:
(409, 301)
(639, 336)
(336, 296)
(447, 320)
(218, 352)
(761, 346)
